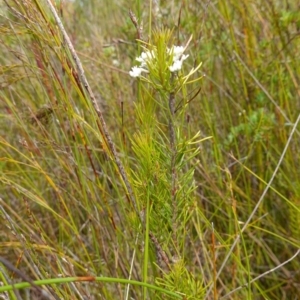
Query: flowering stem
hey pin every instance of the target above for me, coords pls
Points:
(173, 165)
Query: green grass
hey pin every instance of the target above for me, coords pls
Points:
(199, 202)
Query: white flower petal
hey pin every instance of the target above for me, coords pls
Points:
(176, 66)
(136, 71)
(177, 52)
(140, 59)
(145, 57)
(178, 49)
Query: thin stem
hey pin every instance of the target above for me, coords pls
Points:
(262, 275)
(162, 258)
(257, 205)
(173, 165)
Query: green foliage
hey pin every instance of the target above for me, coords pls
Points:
(255, 127)
(179, 279)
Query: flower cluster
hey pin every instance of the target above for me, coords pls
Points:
(148, 57)
(178, 57)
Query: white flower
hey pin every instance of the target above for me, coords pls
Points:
(142, 58)
(178, 49)
(136, 71)
(177, 52)
(145, 56)
(148, 57)
(178, 58)
(176, 66)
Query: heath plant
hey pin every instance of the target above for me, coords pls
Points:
(165, 150)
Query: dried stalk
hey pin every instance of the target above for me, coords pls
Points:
(103, 126)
